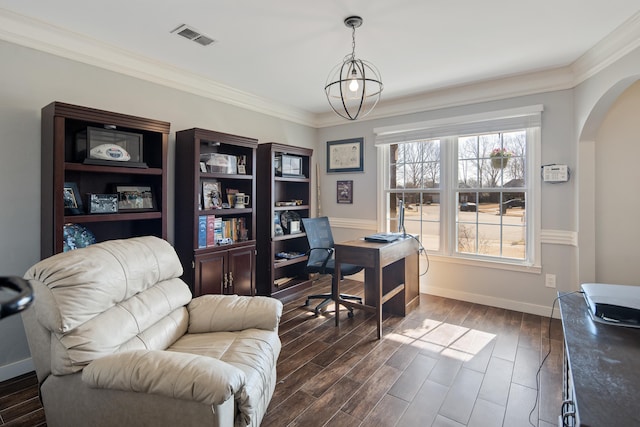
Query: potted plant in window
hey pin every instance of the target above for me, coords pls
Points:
(500, 157)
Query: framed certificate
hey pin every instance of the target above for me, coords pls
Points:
(345, 155)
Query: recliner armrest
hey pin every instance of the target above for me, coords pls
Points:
(167, 373)
(226, 313)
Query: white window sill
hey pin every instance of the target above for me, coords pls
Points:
(495, 264)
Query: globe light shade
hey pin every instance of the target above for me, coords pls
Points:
(353, 88)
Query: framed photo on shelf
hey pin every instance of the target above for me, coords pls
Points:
(344, 192)
(211, 195)
(242, 164)
(345, 155)
(72, 199)
(103, 203)
(134, 198)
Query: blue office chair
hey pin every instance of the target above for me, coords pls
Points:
(321, 259)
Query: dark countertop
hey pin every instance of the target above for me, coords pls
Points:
(605, 366)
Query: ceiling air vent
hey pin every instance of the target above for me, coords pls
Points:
(193, 35)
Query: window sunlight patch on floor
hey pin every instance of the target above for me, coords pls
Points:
(439, 338)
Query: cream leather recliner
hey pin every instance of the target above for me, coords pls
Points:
(117, 340)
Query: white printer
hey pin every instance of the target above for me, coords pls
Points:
(613, 304)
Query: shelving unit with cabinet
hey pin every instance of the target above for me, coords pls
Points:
(284, 197)
(221, 258)
(62, 124)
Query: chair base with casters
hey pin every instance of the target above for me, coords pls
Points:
(328, 298)
(347, 270)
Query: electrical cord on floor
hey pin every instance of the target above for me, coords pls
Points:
(544, 359)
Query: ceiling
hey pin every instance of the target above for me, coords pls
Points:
(280, 53)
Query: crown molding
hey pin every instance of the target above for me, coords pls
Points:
(614, 46)
(44, 37)
(489, 90)
(35, 34)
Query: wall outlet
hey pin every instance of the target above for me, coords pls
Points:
(550, 281)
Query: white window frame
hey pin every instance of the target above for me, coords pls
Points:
(460, 125)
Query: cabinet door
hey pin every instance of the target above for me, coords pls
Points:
(242, 270)
(210, 274)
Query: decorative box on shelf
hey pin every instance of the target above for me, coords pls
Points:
(288, 166)
(220, 163)
(109, 147)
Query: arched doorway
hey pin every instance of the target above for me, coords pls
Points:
(606, 200)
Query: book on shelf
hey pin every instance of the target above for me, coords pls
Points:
(214, 230)
(202, 231)
(217, 231)
(283, 280)
(210, 230)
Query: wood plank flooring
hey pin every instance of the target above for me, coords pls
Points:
(447, 363)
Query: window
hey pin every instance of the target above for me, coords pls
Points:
(467, 184)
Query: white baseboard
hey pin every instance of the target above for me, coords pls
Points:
(15, 369)
(540, 310)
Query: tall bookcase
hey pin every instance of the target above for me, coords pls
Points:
(222, 258)
(284, 194)
(61, 165)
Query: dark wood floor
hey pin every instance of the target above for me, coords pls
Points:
(448, 363)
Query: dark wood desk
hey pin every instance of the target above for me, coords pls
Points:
(602, 369)
(391, 276)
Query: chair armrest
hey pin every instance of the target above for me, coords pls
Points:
(227, 313)
(177, 375)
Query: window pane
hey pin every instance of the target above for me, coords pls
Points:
(423, 219)
(396, 176)
(409, 165)
(468, 173)
(431, 164)
(422, 216)
(467, 238)
(468, 147)
(415, 165)
(489, 239)
(516, 144)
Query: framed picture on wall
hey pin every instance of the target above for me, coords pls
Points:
(344, 192)
(345, 155)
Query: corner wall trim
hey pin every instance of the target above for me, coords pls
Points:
(559, 237)
(540, 310)
(354, 223)
(15, 369)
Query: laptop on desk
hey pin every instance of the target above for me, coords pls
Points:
(383, 237)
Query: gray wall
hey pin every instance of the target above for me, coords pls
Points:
(31, 80)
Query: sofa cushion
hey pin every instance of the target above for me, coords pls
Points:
(254, 351)
(223, 313)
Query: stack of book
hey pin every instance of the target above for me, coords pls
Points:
(214, 230)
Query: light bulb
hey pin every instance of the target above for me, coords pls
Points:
(353, 85)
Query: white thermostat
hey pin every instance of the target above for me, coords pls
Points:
(555, 173)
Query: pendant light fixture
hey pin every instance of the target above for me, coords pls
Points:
(354, 86)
